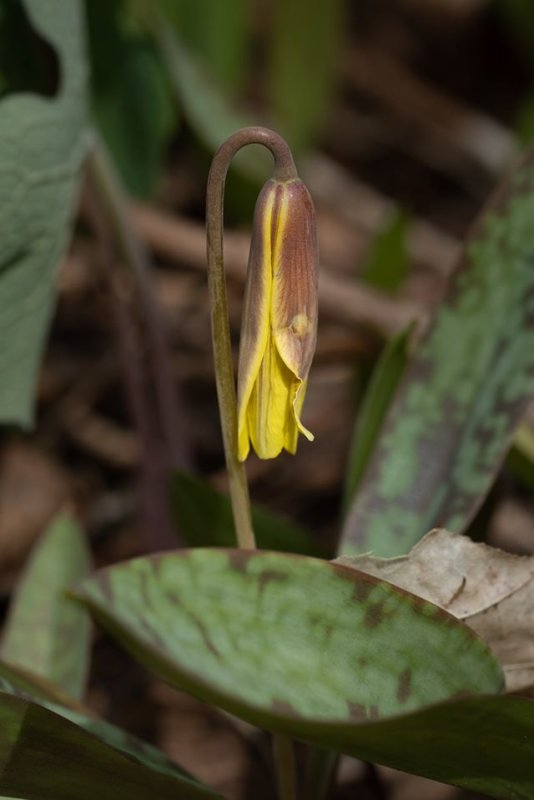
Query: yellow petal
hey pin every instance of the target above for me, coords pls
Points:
(279, 321)
(255, 329)
(270, 406)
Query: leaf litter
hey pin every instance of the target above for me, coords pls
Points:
(488, 589)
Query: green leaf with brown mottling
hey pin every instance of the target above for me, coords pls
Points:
(379, 394)
(452, 420)
(303, 646)
(483, 744)
(46, 632)
(46, 756)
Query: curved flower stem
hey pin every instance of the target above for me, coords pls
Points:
(284, 169)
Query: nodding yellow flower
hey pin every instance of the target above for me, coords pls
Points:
(279, 325)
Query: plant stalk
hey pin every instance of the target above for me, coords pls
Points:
(286, 771)
(284, 169)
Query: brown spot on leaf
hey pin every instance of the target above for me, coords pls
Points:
(328, 631)
(269, 576)
(362, 661)
(373, 712)
(204, 632)
(362, 590)
(284, 708)
(356, 710)
(404, 688)
(374, 614)
(239, 559)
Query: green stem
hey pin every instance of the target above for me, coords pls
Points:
(320, 774)
(284, 169)
(284, 759)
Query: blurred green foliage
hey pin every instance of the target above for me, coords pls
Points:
(518, 16)
(204, 517)
(219, 33)
(216, 66)
(387, 263)
(132, 101)
(305, 43)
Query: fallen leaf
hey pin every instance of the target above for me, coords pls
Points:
(490, 590)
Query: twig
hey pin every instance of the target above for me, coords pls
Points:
(343, 300)
(162, 433)
(131, 248)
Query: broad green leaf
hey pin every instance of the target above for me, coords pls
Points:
(387, 263)
(18, 680)
(125, 68)
(204, 516)
(45, 756)
(299, 645)
(452, 420)
(217, 32)
(42, 143)
(15, 682)
(207, 108)
(382, 386)
(46, 632)
(305, 48)
(483, 744)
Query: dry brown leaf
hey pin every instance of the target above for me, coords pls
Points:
(490, 590)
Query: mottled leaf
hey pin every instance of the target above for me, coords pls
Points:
(46, 632)
(452, 420)
(318, 651)
(42, 143)
(492, 591)
(483, 744)
(45, 756)
(16, 682)
(383, 383)
(204, 517)
(35, 687)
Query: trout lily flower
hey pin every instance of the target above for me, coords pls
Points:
(279, 325)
